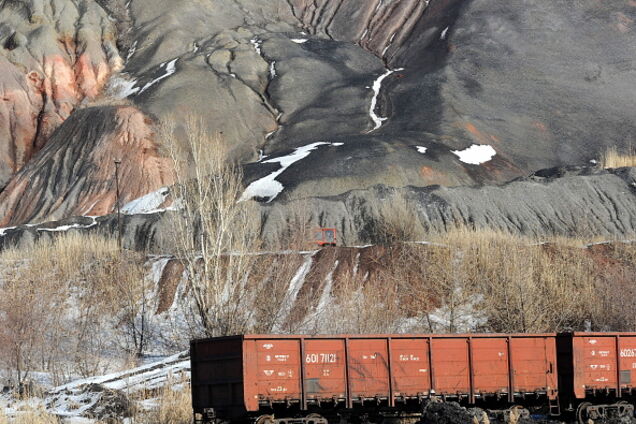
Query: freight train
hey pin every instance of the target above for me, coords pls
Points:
(274, 379)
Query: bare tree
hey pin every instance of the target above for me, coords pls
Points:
(215, 234)
(24, 317)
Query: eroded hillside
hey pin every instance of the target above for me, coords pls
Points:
(331, 96)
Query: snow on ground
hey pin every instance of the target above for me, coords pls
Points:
(272, 69)
(389, 44)
(299, 40)
(131, 52)
(76, 399)
(295, 285)
(443, 34)
(257, 45)
(325, 297)
(3, 231)
(71, 226)
(123, 87)
(421, 149)
(377, 86)
(147, 204)
(476, 154)
(170, 67)
(148, 376)
(267, 187)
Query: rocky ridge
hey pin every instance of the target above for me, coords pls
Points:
(577, 202)
(408, 94)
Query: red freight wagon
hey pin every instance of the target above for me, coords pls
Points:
(271, 376)
(601, 370)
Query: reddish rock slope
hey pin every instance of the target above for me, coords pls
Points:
(74, 173)
(55, 55)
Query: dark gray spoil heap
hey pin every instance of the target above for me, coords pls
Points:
(581, 202)
(546, 84)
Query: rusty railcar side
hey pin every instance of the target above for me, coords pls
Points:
(605, 363)
(347, 371)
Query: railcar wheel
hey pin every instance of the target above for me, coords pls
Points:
(625, 409)
(581, 413)
(265, 419)
(315, 418)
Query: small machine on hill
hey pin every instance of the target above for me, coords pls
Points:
(325, 237)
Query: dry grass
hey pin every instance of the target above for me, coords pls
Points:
(486, 280)
(56, 296)
(398, 221)
(175, 406)
(612, 158)
(35, 415)
(63, 253)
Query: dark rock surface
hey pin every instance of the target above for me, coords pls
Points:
(582, 202)
(544, 84)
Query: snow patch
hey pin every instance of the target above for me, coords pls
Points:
(131, 52)
(476, 154)
(122, 87)
(325, 297)
(443, 34)
(147, 204)
(389, 44)
(295, 285)
(147, 376)
(171, 68)
(465, 317)
(257, 45)
(421, 149)
(268, 187)
(272, 69)
(299, 40)
(70, 226)
(3, 231)
(377, 86)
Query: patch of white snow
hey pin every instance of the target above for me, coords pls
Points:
(476, 154)
(257, 45)
(272, 69)
(325, 297)
(131, 52)
(389, 44)
(122, 87)
(268, 187)
(421, 149)
(443, 34)
(299, 40)
(70, 226)
(147, 204)
(171, 68)
(377, 86)
(3, 231)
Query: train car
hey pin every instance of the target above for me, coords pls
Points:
(598, 374)
(271, 379)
